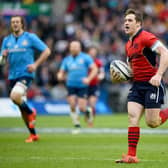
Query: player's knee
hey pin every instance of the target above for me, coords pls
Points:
(82, 109)
(17, 93)
(15, 97)
(73, 108)
(133, 120)
(153, 123)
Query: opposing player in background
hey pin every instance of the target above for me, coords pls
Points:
(93, 89)
(18, 52)
(74, 70)
(147, 92)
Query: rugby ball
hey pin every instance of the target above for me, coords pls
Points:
(122, 69)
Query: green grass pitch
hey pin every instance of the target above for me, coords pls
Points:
(85, 150)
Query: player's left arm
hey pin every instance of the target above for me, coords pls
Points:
(101, 73)
(42, 58)
(38, 44)
(161, 50)
(92, 67)
(92, 74)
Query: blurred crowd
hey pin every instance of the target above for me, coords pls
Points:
(93, 22)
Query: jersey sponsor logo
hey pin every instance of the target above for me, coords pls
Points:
(8, 44)
(17, 50)
(73, 66)
(16, 46)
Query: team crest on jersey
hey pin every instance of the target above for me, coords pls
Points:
(25, 43)
(81, 61)
(153, 96)
(135, 46)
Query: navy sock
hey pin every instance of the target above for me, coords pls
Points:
(26, 108)
(31, 130)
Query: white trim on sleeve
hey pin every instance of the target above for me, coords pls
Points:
(156, 45)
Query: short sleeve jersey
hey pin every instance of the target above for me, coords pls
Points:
(77, 68)
(141, 57)
(21, 53)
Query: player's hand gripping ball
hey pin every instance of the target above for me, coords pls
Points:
(120, 71)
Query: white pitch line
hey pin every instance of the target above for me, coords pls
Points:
(69, 158)
(87, 130)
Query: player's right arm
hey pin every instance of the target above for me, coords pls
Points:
(4, 53)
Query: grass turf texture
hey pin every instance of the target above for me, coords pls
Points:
(78, 151)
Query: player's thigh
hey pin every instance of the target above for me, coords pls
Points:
(92, 100)
(135, 111)
(152, 117)
(72, 93)
(153, 99)
(19, 88)
(72, 100)
(82, 103)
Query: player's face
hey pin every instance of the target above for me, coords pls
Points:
(130, 24)
(16, 24)
(75, 48)
(93, 52)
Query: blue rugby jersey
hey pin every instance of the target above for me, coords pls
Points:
(21, 53)
(76, 68)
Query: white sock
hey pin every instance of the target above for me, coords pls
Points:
(75, 118)
(90, 119)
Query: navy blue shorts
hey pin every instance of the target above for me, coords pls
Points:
(80, 92)
(93, 91)
(25, 80)
(147, 95)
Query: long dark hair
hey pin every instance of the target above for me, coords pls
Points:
(21, 19)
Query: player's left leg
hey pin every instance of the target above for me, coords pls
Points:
(83, 104)
(154, 99)
(155, 117)
(17, 95)
(91, 104)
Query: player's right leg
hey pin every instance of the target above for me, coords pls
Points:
(82, 94)
(73, 113)
(135, 111)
